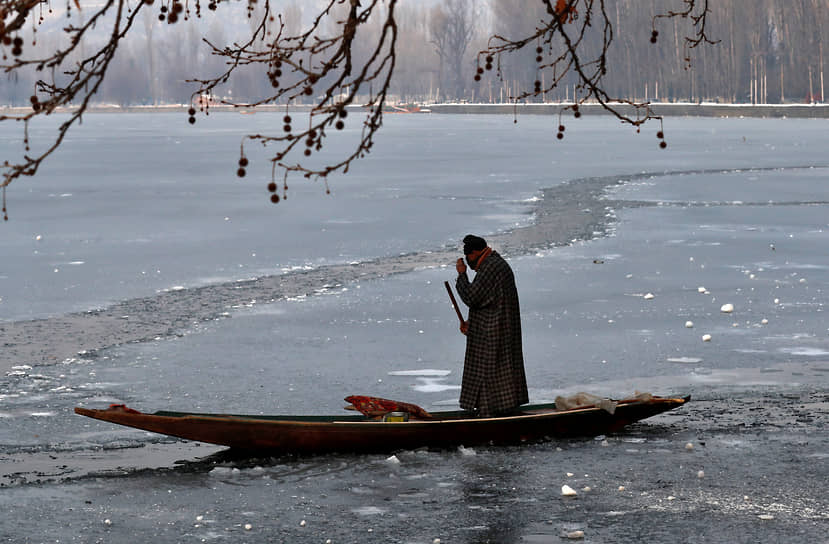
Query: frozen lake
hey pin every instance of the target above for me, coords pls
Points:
(134, 204)
(208, 297)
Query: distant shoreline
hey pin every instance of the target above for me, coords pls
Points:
(668, 109)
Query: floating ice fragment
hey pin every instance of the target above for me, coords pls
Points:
(567, 491)
(586, 489)
(199, 518)
(648, 296)
(224, 471)
(689, 446)
(436, 541)
(727, 308)
(421, 372)
(764, 321)
(569, 474)
(467, 452)
(701, 289)
(802, 280)
(671, 498)
(248, 526)
(706, 337)
(393, 460)
(777, 301)
(370, 511)
(684, 360)
(689, 324)
(38, 237)
(107, 521)
(701, 474)
(575, 535)
(765, 516)
(302, 523)
(621, 488)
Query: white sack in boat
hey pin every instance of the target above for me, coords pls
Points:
(585, 400)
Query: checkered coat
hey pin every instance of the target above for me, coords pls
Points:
(493, 369)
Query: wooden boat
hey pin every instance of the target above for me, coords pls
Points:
(360, 433)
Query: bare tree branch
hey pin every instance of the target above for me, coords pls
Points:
(347, 50)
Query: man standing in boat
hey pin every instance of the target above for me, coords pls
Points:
(494, 382)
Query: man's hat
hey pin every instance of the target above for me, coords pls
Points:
(473, 243)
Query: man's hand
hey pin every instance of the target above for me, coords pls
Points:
(464, 327)
(460, 266)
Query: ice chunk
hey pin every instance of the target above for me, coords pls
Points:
(727, 308)
(425, 372)
(685, 360)
(567, 491)
(466, 452)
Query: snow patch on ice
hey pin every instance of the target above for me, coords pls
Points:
(421, 372)
(369, 510)
(428, 385)
(686, 360)
(805, 351)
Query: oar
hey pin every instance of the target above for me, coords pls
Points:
(454, 302)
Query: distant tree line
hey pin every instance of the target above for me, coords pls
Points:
(769, 51)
